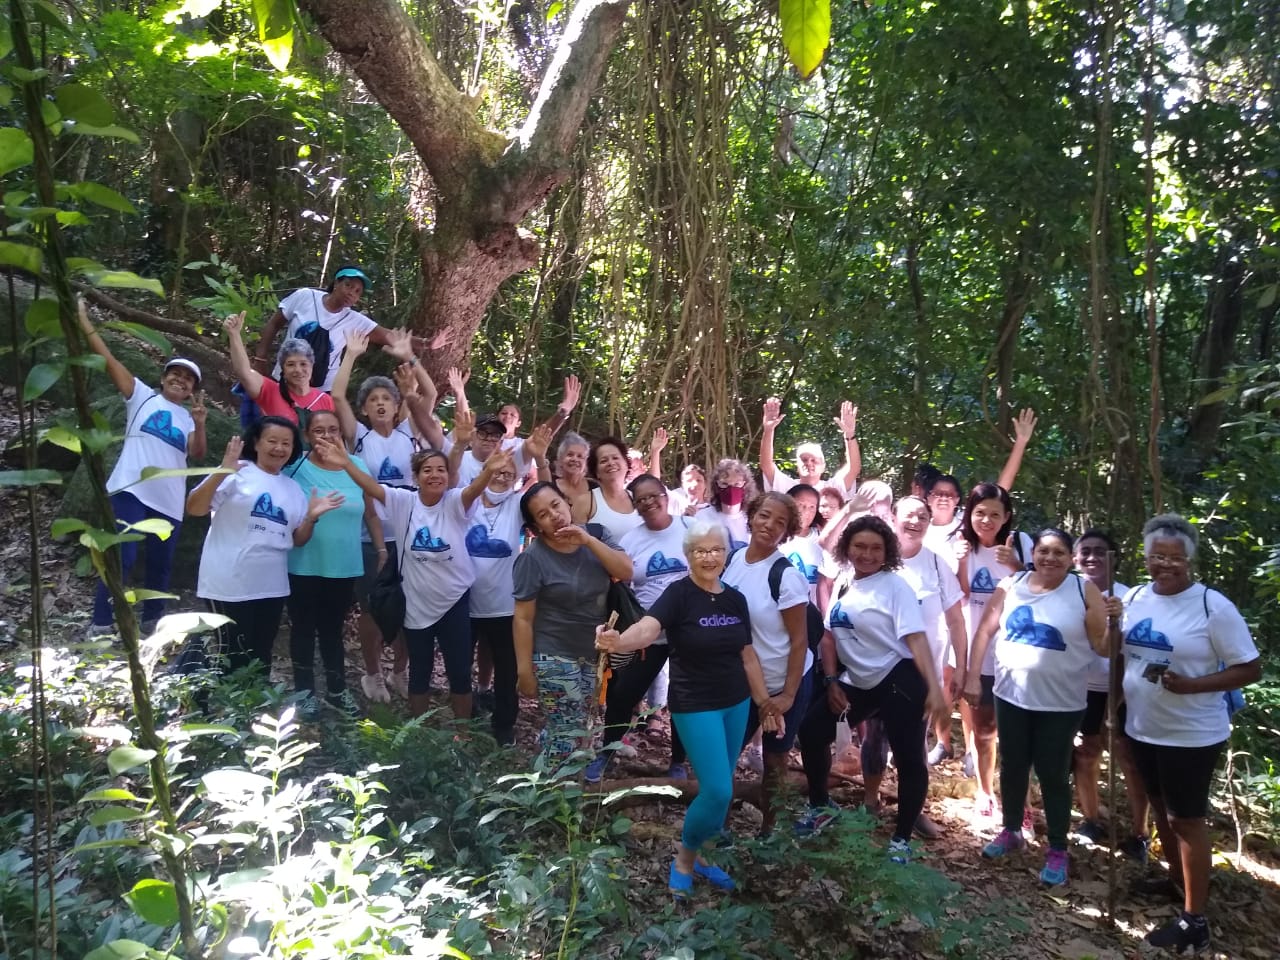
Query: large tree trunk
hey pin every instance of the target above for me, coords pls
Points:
(1216, 351)
(485, 183)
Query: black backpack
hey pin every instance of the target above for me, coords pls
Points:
(813, 622)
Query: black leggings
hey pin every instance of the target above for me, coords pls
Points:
(898, 700)
(250, 636)
(317, 613)
(627, 688)
(497, 633)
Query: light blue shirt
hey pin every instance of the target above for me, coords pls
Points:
(334, 548)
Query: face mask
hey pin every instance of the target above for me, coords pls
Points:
(732, 496)
(497, 496)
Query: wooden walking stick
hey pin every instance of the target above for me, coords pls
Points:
(1113, 700)
(603, 671)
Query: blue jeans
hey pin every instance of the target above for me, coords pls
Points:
(713, 740)
(129, 509)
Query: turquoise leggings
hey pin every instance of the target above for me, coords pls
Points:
(713, 740)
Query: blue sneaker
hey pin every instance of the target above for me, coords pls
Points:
(680, 884)
(899, 851)
(595, 770)
(816, 819)
(714, 876)
(1054, 873)
(678, 771)
(1006, 842)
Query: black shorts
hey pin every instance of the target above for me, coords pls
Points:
(988, 698)
(1177, 777)
(771, 742)
(1095, 714)
(369, 552)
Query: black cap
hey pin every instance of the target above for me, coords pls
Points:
(490, 421)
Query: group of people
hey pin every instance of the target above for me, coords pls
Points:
(778, 612)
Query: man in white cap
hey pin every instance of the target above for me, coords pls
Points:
(810, 462)
(159, 432)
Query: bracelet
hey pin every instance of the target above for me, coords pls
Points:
(413, 361)
(382, 553)
(848, 439)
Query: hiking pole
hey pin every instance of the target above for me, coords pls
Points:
(603, 670)
(1113, 699)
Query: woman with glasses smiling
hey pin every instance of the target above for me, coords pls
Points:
(656, 549)
(1185, 646)
(715, 676)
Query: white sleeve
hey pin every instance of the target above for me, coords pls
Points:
(289, 305)
(906, 609)
(1228, 633)
(948, 585)
(794, 589)
(226, 488)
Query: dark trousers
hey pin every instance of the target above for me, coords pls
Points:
(1041, 739)
(129, 509)
(627, 688)
(898, 700)
(497, 633)
(453, 634)
(248, 638)
(317, 613)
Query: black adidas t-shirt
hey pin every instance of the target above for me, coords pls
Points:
(706, 632)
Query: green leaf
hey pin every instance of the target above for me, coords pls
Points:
(124, 278)
(84, 105)
(274, 19)
(49, 114)
(29, 478)
(1268, 296)
(89, 130)
(22, 256)
(80, 264)
(116, 814)
(103, 196)
(42, 319)
(145, 334)
(553, 9)
(126, 758)
(110, 793)
(23, 75)
(6, 94)
(161, 473)
(103, 844)
(139, 593)
(118, 950)
(61, 436)
(154, 901)
(15, 149)
(160, 527)
(806, 32)
(6, 38)
(65, 525)
(40, 378)
(72, 218)
(102, 541)
(90, 361)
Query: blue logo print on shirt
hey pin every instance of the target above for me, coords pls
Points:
(264, 509)
(423, 541)
(160, 425)
(1022, 627)
(840, 616)
(388, 471)
(1142, 635)
(810, 573)
(659, 563)
(982, 582)
(480, 544)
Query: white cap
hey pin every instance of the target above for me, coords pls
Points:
(185, 364)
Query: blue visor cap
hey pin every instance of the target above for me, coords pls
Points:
(359, 274)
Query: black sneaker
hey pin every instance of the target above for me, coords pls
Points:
(1181, 937)
(1136, 848)
(344, 703)
(1090, 832)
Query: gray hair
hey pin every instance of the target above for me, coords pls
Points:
(374, 383)
(704, 528)
(295, 347)
(571, 439)
(1170, 526)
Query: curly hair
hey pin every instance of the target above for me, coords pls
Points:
(724, 469)
(793, 511)
(376, 383)
(868, 521)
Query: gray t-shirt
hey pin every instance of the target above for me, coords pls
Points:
(572, 592)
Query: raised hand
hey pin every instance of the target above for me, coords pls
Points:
(399, 344)
(357, 344)
(199, 412)
(320, 504)
(539, 441)
(330, 455)
(1007, 553)
(464, 427)
(847, 421)
(85, 323)
(441, 340)
(231, 456)
(498, 460)
(234, 324)
(960, 548)
(1024, 425)
(405, 379)
(572, 393)
(458, 381)
(659, 441)
(773, 414)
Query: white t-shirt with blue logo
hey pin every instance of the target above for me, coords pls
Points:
(1172, 632)
(805, 554)
(1042, 649)
(657, 560)
(156, 432)
(769, 634)
(434, 562)
(870, 619)
(303, 309)
(984, 575)
(493, 543)
(388, 460)
(246, 552)
(938, 591)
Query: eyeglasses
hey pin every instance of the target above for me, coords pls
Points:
(944, 496)
(1163, 560)
(649, 498)
(707, 551)
(503, 475)
(725, 484)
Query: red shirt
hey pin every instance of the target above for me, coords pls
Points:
(275, 405)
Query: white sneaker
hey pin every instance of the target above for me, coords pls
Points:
(399, 684)
(753, 758)
(375, 687)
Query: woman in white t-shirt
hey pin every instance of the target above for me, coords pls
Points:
(1047, 624)
(1096, 556)
(779, 630)
(159, 432)
(387, 444)
(259, 516)
(988, 551)
(1186, 650)
(804, 549)
(876, 662)
(611, 505)
(731, 489)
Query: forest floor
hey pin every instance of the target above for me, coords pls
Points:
(1065, 922)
